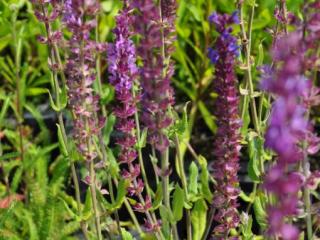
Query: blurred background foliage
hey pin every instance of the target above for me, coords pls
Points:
(36, 186)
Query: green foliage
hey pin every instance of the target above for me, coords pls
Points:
(199, 218)
(41, 172)
(177, 206)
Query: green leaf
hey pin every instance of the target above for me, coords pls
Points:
(255, 148)
(251, 2)
(198, 219)
(121, 194)
(204, 178)
(35, 91)
(143, 139)
(63, 97)
(260, 55)
(259, 210)
(87, 210)
(246, 198)
(158, 197)
(195, 12)
(193, 178)
(108, 206)
(4, 41)
(4, 109)
(113, 166)
(165, 214)
(52, 103)
(62, 145)
(177, 203)
(111, 120)
(9, 155)
(70, 211)
(246, 226)
(126, 235)
(33, 231)
(15, 182)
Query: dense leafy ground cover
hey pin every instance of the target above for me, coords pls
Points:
(167, 119)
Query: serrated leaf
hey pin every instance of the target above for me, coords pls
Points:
(198, 219)
(177, 206)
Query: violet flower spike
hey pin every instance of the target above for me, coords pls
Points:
(157, 95)
(123, 72)
(80, 71)
(287, 129)
(227, 146)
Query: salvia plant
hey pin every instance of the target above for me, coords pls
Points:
(159, 119)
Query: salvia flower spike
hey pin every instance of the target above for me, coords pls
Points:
(80, 71)
(287, 129)
(157, 95)
(124, 72)
(226, 145)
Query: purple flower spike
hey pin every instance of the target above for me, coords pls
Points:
(123, 72)
(227, 147)
(157, 95)
(80, 72)
(288, 128)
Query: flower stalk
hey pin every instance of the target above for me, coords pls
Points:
(227, 139)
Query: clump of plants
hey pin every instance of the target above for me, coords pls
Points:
(144, 119)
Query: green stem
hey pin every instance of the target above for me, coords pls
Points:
(131, 212)
(98, 68)
(104, 114)
(54, 54)
(306, 191)
(249, 83)
(165, 186)
(184, 185)
(149, 216)
(94, 199)
(165, 153)
(91, 163)
(138, 135)
(154, 165)
(116, 214)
